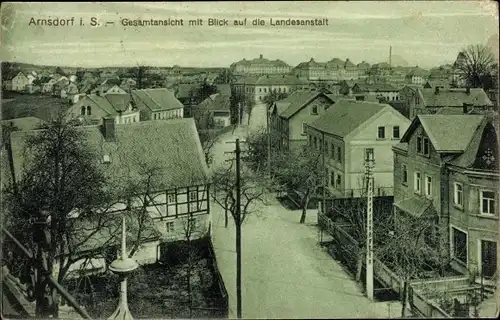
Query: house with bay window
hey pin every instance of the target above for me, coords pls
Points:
(446, 170)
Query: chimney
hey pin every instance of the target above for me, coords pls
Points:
(261, 56)
(467, 91)
(436, 90)
(108, 128)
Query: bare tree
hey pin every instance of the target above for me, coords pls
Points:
(224, 183)
(475, 65)
(302, 175)
(257, 151)
(410, 251)
(352, 212)
(62, 186)
(192, 256)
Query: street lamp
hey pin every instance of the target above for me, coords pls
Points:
(122, 266)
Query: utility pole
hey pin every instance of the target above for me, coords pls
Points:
(369, 164)
(237, 220)
(268, 142)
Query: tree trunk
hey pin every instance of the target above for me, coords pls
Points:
(304, 210)
(359, 264)
(226, 218)
(404, 299)
(303, 216)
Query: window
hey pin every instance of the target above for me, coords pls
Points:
(369, 154)
(339, 154)
(193, 197)
(332, 178)
(426, 146)
(458, 194)
(89, 110)
(417, 182)
(170, 226)
(82, 111)
(339, 180)
(405, 174)
(381, 132)
(154, 116)
(315, 143)
(419, 144)
(310, 140)
(459, 245)
(332, 150)
(428, 186)
(171, 198)
(303, 128)
(395, 132)
(487, 202)
(314, 110)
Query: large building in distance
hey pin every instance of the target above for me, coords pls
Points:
(333, 70)
(260, 66)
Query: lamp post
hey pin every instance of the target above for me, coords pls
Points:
(369, 164)
(122, 266)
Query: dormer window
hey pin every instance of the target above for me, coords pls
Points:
(314, 110)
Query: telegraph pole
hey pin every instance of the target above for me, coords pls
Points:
(268, 142)
(237, 220)
(369, 164)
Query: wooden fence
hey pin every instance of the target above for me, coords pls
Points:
(422, 304)
(223, 309)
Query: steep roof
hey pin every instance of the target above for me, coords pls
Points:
(184, 90)
(215, 102)
(25, 123)
(172, 146)
(278, 80)
(346, 115)
(156, 99)
(448, 133)
(298, 100)
(381, 87)
(454, 97)
(485, 137)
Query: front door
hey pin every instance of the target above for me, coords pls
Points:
(488, 258)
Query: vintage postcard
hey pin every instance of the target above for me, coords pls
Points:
(274, 160)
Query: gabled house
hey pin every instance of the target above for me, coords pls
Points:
(382, 90)
(179, 190)
(60, 84)
(417, 76)
(107, 85)
(437, 83)
(288, 117)
(155, 104)
(116, 89)
(446, 170)
(19, 82)
(346, 87)
(69, 91)
(92, 108)
(430, 101)
(344, 133)
(48, 87)
(214, 111)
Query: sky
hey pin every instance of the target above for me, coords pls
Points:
(423, 33)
